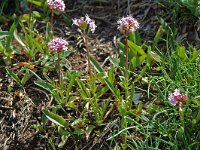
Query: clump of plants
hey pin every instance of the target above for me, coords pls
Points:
(106, 107)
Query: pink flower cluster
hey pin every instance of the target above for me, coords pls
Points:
(176, 97)
(57, 5)
(127, 25)
(85, 23)
(57, 44)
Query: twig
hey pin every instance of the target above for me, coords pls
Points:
(5, 107)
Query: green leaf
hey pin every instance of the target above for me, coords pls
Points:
(24, 17)
(77, 123)
(96, 65)
(63, 141)
(195, 55)
(71, 83)
(156, 38)
(139, 108)
(141, 59)
(134, 63)
(121, 54)
(71, 103)
(111, 75)
(37, 14)
(4, 34)
(37, 2)
(62, 131)
(78, 131)
(49, 87)
(13, 75)
(9, 39)
(45, 85)
(51, 143)
(102, 91)
(114, 61)
(142, 72)
(136, 48)
(135, 37)
(26, 77)
(181, 52)
(89, 130)
(83, 90)
(121, 46)
(39, 128)
(56, 96)
(59, 120)
(44, 119)
(155, 56)
(17, 38)
(116, 92)
(196, 100)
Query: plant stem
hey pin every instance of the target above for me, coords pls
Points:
(126, 51)
(30, 16)
(124, 134)
(181, 113)
(88, 54)
(51, 22)
(126, 68)
(59, 74)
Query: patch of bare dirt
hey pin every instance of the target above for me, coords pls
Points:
(20, 108)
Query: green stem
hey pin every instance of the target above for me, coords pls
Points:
(30, 16)
(124, 134)
(181, 113)
(126, 51)
(59, 74)
(88, 55)
(126, 68)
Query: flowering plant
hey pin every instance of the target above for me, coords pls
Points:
(176, 97)
(85, 23)
(57, 44)
(57, 5)
(127, 25)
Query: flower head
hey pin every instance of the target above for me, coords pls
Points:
(57, 5)
(85, 23)
(57, 44)
(127, 25)
(176, 97)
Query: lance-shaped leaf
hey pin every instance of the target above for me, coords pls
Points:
(136, 48)
(55, 118)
